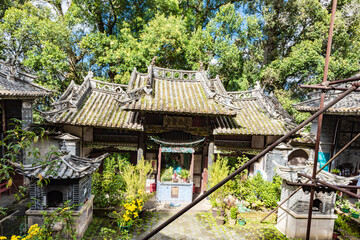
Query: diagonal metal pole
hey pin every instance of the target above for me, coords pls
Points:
(322, 100)
(328, 162)
(253, 160)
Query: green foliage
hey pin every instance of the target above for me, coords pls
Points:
(233, 213)
(286, 100)
(184, 174)
(109, 186)
(259, 192)
(217, 172)
(166, 174)
(345, 224)
(43, 39)
(20, 145)
(107, 233)
(62, 215)
(135, 177)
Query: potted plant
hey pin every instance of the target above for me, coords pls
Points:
(241, 220)
(233, 215)
(345, 207)
(214, 207)
(167, 174)
(184, 174)
(357, 205)
(355, 213)
(335, 171)
(123, 220)
(220, 220)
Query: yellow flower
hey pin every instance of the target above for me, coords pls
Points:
(14, 237)
(136, 214)
(2, 238)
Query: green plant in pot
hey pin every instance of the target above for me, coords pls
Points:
(335, 171)
(345, 207)
(184, 174)
(355, 213)
(357, 205)
(233, 215)
(166, 175)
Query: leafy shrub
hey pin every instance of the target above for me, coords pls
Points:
(109, 186)
(135, 177)
(233, 213)
(217, 172)
(258, 192)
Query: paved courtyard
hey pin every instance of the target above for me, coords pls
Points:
(193, 226)
(203, 226)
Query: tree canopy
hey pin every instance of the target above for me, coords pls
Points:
(281, 43)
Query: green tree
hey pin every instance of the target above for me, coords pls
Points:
(43, 40)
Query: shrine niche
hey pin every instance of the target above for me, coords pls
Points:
(292, 216)
(175, 175)
(70, 181)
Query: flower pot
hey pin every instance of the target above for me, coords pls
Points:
(222, 212)
(345, 210)
(123, 228)
(220, 221)
(355, 215)
(241, 222)
(232, 221)
(214, 211)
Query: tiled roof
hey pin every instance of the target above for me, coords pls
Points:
(64, 167)
(93, 104)
(100, 104)
(350, 105)
(16, 84)
(254, 117)
(185, 92)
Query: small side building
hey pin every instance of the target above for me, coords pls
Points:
(70, 181)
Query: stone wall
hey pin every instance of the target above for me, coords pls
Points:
(82, 217)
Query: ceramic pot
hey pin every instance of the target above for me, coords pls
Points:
(241, 222)
(345, 210)
(127, 228)
(220, 221)
(214, 211)
(232, 221)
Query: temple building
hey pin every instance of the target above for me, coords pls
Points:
(17, 94)
(171, 118)
(341, 123)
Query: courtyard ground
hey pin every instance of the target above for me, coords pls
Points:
(192, 226)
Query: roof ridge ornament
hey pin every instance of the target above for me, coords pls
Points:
(152, 63)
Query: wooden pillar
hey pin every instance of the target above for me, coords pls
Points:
(141, 146)
(211, 156)
(159, 165)
(192, 167)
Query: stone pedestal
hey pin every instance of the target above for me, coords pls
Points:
(82, 217)
(294, 225)
(181, 192)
